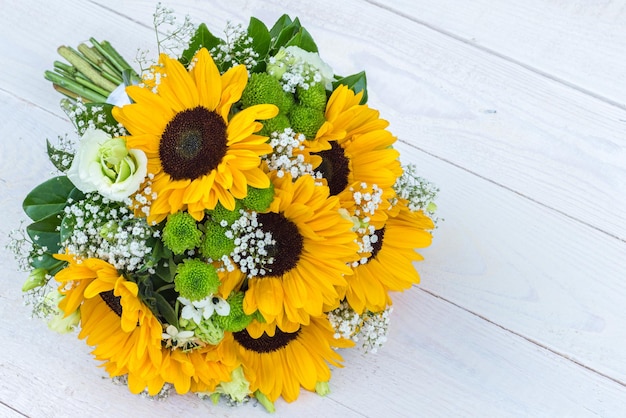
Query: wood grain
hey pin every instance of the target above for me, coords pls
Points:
(577, 43)
(520, 310)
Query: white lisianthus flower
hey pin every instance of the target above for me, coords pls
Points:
(293, 57)
(103, 164)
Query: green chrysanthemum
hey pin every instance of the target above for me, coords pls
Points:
(181, 233)
(313, 97)
(259, 200)
(196, 279)
(215, 244)
(306, 120)
(220, 213)
(236, 320)
(262, 88)
(276, 124)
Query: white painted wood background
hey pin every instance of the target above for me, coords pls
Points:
(517, 110)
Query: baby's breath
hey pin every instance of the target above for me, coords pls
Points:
(105, 230)
(251, 245)
(368, 330)
(287, 155)
(171, 36)
(235, 49)
(419, 192)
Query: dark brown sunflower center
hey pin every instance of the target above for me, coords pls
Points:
(112, 301)
(335, 168)
(288, 244)
(265, 343)
(193, 143)
(380, 234)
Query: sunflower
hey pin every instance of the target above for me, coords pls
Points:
(125, 333)
(196, 155)
(277, 363)
(127, 336)
(359, 154)
(390, 264)
(313, 243)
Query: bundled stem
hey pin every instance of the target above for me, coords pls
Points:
(94, 71)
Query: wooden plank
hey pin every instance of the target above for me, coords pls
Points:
(8, 412)
(578, 43)
(440, 361)
(533, 271)
(510, 260)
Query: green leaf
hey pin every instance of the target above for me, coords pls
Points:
(356, 82)
(261, 40)
(49, 198)
(285, 36)
(46, 261)
(304, 40)
(280, 24)
(203, 38)
(57, 156)
(165, 309)
(44, 234)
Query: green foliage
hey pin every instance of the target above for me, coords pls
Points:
(48, 198)
(260, 42)
(203, 38)
(356, 82)
(287, 32)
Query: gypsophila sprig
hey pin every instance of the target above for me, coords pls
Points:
(235, 208)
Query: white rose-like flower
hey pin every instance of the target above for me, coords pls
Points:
(294, 56)
(103, 164)
(314, 60)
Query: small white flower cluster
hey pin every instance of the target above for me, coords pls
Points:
(297, 73)
(107, 232)
(367, 200)
(153, 77)
(161, 396)
(251, 245)
(21, 247)
(369, 330)
(142, 200)
(236, 48)
(90, 117)
(419, 192)
(287, 156)
(176, 36)
(62, 153)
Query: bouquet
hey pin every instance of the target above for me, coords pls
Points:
(224, 219)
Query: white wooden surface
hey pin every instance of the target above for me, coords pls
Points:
(517, 110)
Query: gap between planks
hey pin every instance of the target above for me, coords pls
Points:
(560, 212)
(499, 55)
(530, 340)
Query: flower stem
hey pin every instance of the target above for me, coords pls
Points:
(69, 85)
(85, 68)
